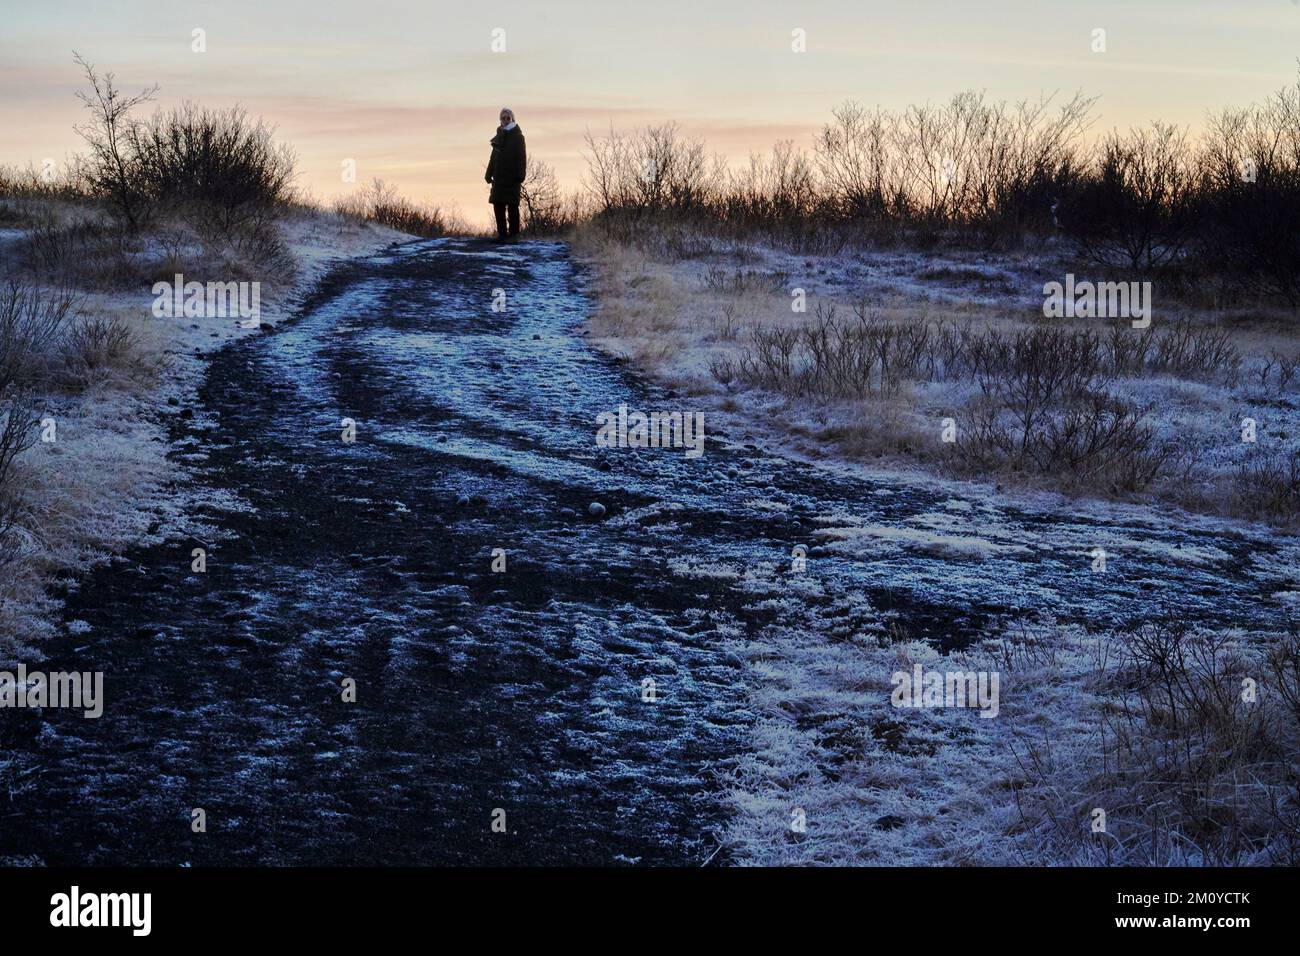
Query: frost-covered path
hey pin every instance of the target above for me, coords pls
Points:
(522, 690)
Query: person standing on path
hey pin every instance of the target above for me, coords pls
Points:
(505, 171)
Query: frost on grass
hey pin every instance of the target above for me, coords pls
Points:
(874, 539)
(1149, 726)
(97, 488)
(106, 482)
(712, 316)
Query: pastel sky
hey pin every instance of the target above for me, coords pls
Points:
(410, 90)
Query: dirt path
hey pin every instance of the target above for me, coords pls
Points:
(478, 690)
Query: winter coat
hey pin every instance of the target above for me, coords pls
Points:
(505, 170)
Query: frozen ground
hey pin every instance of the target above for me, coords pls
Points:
(681, 305)
(108, 482)
(526, 690)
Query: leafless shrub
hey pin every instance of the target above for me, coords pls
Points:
(949, 345)
(723, 369)
(1187, 351)
(1251, 176)
(1268, 486)
(832, 358)
(257, 244)
(1139, 206)
(1036, 368)
(30, 325)
(1188, 756)
(1129, 350)
(1265, 369)
(1218, 218)
(773, 190)
(679, 244)
(53, 246)
(545, 209)
(112, 170)
(1287, 366)
(1284, 666)
(93, 346)
(968, 163)
(1102, 441)
(740, 281)
(860, 169)
(1045, 406)
(380, 203)
(1196, 353)
(217, 165)
(664, 238)
(1044, 411)
(656, 170)
(725, 324)
(77, 251)
(16, 435)
(66, 182)
(1091, 441)
(1192, 770)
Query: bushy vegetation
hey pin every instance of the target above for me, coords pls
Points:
(216, 165)
(185, 190)
(151, 194)
(1044, 403)
(1221, 209)
(545, 208)
(67, 183)
(1196, 742)
(1250, 186)
(32, 324)
(380, 203)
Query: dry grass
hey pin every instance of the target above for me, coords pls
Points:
(108, 374)
(98, 488)
(380, 203)
(1191, 747)
(1149, 727)
(206, 194)
(91, 468)
(1087, 406)
(78, 245)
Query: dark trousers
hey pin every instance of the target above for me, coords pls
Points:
(502, 209)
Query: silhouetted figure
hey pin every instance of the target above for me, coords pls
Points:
(505, 171)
